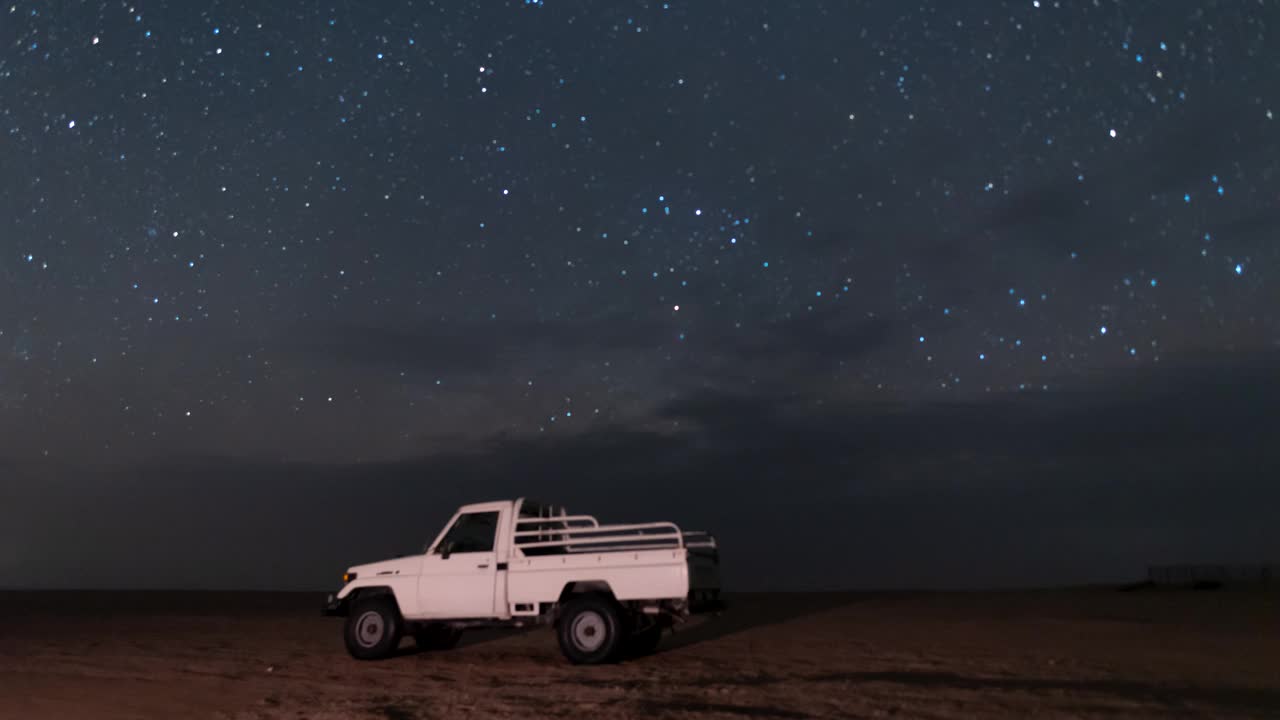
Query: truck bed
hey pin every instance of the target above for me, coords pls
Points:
(630, 574)
(647, 561)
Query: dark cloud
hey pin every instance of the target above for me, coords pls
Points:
(782, 350)
(1260, 225)
(1094, 215)
(467, 347)
(1166, 466)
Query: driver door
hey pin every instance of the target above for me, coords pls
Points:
(459, 574)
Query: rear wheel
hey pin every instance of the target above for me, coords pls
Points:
(373, 629)
(643, 642)
(437, 636)
(590, 630)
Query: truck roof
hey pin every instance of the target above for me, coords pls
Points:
(524, 503)
(488, 505)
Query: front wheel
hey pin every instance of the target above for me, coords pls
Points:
(590, 630)
(373, 629)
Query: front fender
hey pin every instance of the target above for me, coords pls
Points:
(339, 603)
(335, 606)
(399, 588)
(347, 589)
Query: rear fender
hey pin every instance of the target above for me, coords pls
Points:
(579, 587)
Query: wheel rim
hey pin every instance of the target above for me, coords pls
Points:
(589, 631)
(370, 628)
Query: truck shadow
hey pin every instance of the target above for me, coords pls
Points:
(487, 635)
(469, 638)
(1238, 699)
(742, 612)
(746, 611)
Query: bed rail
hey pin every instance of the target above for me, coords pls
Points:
(583, 533)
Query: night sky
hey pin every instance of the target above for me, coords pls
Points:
(885, 294)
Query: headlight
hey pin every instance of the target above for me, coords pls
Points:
(348, 577)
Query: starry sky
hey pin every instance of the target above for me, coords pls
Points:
(966, 293)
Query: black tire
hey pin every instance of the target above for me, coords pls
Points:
(590, 630)
(436, 636)
(644, 642)
(373, 628)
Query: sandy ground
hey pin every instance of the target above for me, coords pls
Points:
(1079, 653)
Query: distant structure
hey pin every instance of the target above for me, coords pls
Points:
(1223, 575)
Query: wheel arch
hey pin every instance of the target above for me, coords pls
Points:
(581, 587)
(370, 592)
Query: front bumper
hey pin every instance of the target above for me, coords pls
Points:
(334, 607)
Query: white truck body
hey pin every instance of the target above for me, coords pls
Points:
(514, 562)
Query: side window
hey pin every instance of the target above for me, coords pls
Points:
(473, 532)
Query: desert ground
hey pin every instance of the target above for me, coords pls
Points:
(1070, 653)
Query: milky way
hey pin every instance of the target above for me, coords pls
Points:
(368, 231)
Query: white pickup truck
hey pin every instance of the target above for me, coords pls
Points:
(609, 590)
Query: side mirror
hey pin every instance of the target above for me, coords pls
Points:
(446, 548)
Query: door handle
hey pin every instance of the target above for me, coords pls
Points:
(483, 566)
